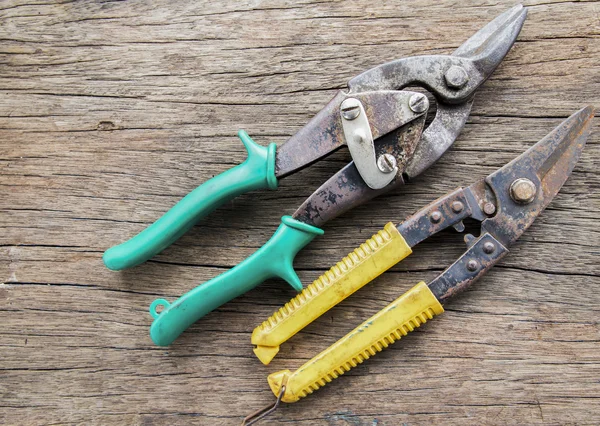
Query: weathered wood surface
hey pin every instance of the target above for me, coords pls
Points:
(111, 111)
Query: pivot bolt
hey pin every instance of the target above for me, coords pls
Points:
(418, 103)
(456, 77)
(436, 217)
(386, 163)
(457, 207)
(522, 191)
(350, 108)
(472, 265)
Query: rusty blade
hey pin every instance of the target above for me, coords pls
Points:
(483, 52)
(346, 189)
(478, 57)
(489, 46)
(386, 111)
(547, 165)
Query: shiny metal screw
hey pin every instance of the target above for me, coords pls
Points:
(489, 247)
(472, 265)
(456, 77)
(436, 217)
(457, 207)
(523, 191)
(350, 108)
(418, 103)
(386, 163)
(489, 208)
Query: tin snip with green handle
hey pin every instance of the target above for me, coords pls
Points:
(382, 124)
(506, 203)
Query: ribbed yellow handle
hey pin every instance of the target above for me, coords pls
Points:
(393, 322)
(375, 256)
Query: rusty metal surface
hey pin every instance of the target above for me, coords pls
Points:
(474, 263)
(386, 110)
(439, 136)
(503, 217)
(346, 189)
(435, 217)
(478, 56)
(359, 137)
(452, 80)
(547, 164)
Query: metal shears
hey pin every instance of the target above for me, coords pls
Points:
(505, 203)
(384, 127)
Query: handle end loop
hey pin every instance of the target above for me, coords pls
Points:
(158, 302)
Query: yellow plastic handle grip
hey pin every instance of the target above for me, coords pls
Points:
(375, 256)
(393, 322)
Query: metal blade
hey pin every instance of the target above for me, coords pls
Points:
(524, 187)
(484, 50)
(452, 79)
(490, 45)
(438, 137)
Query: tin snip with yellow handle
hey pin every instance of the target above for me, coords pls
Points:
(506, 203)
(381, 122)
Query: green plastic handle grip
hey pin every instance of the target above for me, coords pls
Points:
(258, 171)
(274, 259)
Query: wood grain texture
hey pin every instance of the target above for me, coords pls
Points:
(111, 111)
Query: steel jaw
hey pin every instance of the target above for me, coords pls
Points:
(452, 80)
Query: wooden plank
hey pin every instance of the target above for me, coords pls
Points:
(112, 111)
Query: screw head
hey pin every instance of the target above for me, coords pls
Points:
(489, 208)
(436, 217)
(472, 265)
(418, 103)
(523, 191)
(386, 163)
(350, 108)
(456, 77)
(457, 207)
(489, 247)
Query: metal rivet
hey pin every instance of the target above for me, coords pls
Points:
(436, 216)
(472, 265)
(418, 103)
(386, 163)
(350, 108)
(522, 191)
(456, 77)
(489, 247)
(457, 207)
(489, 208)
